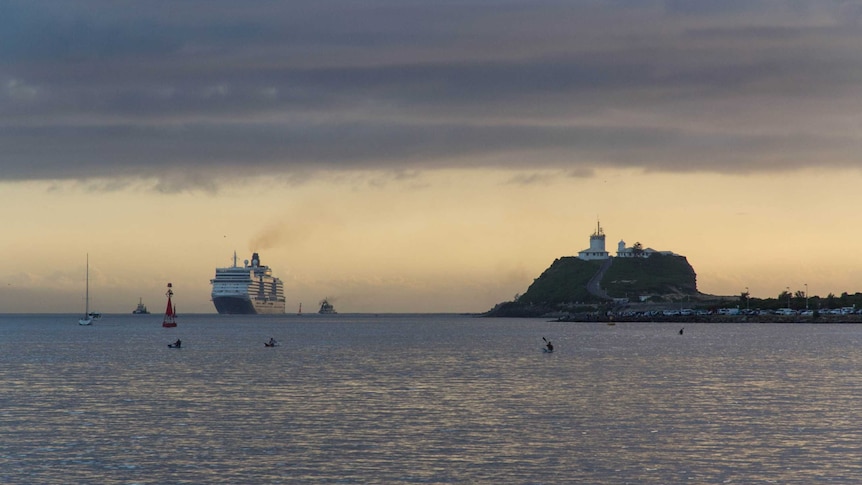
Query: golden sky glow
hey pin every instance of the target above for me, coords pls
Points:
(455, 240)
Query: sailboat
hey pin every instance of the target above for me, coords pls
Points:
(170, 319)
(300, 309)
(87, 319)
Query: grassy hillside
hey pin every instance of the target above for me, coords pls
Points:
(563, 282)
(657, 275)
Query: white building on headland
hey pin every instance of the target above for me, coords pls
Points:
(637, 251)
(597, 248)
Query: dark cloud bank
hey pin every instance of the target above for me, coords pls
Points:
(223, 88)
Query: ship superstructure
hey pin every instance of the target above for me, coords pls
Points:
(141, 309)
(248, 289)
(326, 307)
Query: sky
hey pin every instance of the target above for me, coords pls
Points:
(419, 156)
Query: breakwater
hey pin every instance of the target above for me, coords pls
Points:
(714, 318)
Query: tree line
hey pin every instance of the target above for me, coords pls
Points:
(800, 301)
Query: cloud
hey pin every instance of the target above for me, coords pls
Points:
(531, 179)
(215, 90)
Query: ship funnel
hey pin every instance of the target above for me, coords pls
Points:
(255, 260)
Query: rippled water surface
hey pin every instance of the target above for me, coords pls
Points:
(426, 399)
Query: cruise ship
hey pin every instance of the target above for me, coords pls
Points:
(248, 289)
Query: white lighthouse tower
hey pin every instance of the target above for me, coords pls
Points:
(597, 246)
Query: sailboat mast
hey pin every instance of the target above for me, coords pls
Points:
(87, 291)
(86, 319)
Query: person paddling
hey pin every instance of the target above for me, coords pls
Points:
(549, 345)
(178, 343)
(271, 342)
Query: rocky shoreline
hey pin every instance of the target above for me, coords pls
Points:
(661, 313)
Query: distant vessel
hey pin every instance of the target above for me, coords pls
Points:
(247, 290)
(170, 319)
(326, 307)
(141, 309)
(87, 319)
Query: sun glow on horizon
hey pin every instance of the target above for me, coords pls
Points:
(454, 240)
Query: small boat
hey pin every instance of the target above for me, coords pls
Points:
(326, 307)
(87, 319)
(141, 309)
(170, 313)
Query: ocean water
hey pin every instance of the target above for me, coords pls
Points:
(426, 399)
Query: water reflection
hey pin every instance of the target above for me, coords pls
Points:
(434, 399)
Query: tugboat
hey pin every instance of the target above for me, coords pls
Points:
(170, 313)
(142, 309)
(326, 307)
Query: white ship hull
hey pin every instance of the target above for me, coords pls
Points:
(247, 290)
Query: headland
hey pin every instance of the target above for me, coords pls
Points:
(645, 285)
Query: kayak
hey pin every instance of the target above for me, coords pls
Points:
(265, 344)
(545, 350)
(174, 346)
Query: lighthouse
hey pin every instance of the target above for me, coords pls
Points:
(597, 246)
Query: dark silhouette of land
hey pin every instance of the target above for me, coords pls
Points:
(660, 288)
